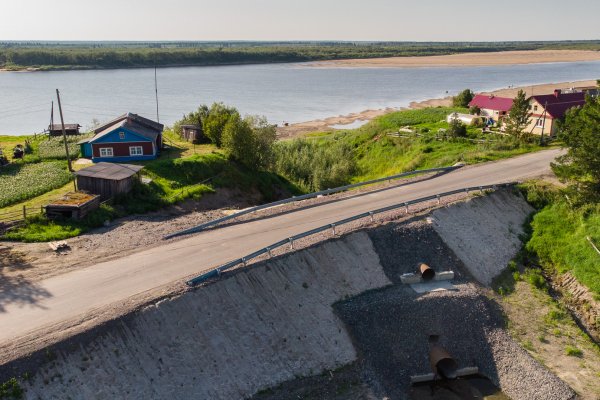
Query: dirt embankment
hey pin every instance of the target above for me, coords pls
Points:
(484, 231)
(261, 326)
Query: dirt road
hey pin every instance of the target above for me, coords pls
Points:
(31, 307)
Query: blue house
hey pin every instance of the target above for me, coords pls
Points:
(129, 137)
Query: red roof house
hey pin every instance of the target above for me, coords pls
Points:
(546, 109)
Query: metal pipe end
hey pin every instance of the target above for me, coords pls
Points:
(427, 273)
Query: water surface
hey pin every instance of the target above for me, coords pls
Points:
(282, 92)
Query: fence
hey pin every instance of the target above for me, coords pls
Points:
(12, 218)
(215, 272)
(217, 221)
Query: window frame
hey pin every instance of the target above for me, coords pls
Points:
(539, 123)
(106, 151)
(122, 135)
(141, 151)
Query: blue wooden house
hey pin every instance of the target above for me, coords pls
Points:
(129, 137)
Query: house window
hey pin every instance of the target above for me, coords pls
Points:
(121, 135)
(136, 151)
(535, 108)
(540, 123)
(106, 152)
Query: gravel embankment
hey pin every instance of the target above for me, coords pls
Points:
(391, 330)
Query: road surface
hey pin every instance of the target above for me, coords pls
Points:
(75, 293)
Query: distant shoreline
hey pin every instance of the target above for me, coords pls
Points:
(302, 128)
(460, 59)
(467, 59)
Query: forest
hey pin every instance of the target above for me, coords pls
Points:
(104, 55)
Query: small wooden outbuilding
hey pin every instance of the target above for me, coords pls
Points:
(108, 179)
(73, 205)
(192, 133)
(70, 129)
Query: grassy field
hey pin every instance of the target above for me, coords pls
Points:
(376, 150)
(20, 181)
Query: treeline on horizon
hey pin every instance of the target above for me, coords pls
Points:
(91, 55)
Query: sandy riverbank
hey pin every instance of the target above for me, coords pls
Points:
(293, 130)
(468, 59)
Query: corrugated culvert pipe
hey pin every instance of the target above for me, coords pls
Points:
(427, 273)
(442, 363)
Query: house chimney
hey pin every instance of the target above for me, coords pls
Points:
(557, 93)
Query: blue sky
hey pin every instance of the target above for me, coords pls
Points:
(419, 20)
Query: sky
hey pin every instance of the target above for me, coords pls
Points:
(354, 20)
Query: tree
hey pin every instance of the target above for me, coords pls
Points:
(463, 98)
(218, 116)
(518, 117)
(457, 128)
(249, 141)
(194, 118)
(580, 166)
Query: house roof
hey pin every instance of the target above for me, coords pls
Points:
(557, 104)
(492, 102)
(110, 171)
(143, 126)
(58, 127)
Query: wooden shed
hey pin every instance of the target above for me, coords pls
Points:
(192, 133)
(108, 179)
(73, 205)
(70, 129)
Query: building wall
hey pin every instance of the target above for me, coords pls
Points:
(494, 114)
(106, 188)
(122, 149)
(549, 124)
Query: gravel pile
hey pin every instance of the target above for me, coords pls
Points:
(391, 330)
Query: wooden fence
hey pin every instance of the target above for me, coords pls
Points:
(9, 219)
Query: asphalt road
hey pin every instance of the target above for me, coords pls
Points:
(74, 293)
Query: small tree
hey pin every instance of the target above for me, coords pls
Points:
(580, 166)
(518, 117)
(218, 116)
(249, 141)
(457, 128)
(194, 118)
(463, 98)
(475, 110)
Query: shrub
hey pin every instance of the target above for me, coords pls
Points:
(535, 278)
(573, 351)
(463, 98)
(457, 129)
(11, 389)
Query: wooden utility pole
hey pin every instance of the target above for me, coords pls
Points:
(543, 124)
(64, 131)
(156, 90)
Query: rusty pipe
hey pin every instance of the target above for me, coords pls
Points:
(442, 363)
(427, 273)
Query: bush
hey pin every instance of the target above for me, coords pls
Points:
(535, 278)
(457, 129)
(249, 141)
(573, 351)
(475, 110)
(315, 166)
(11, 390)
(463, 98)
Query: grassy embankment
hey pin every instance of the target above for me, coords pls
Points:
(53, 56)
(556, 239)
(321, 161)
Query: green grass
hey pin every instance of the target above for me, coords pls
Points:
(376, 154)
(573, 351)
(559, 239)
(20, 181)
(53, 148)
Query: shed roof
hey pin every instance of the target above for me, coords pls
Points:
(58, 127)
(558, 103)
(110, 171)
(492, 102)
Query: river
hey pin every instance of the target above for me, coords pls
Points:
(281, 92)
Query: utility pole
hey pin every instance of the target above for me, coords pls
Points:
(64, 131)
(51, 117)
(156, 90)
(543, 124)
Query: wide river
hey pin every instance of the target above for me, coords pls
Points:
(281, 92)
